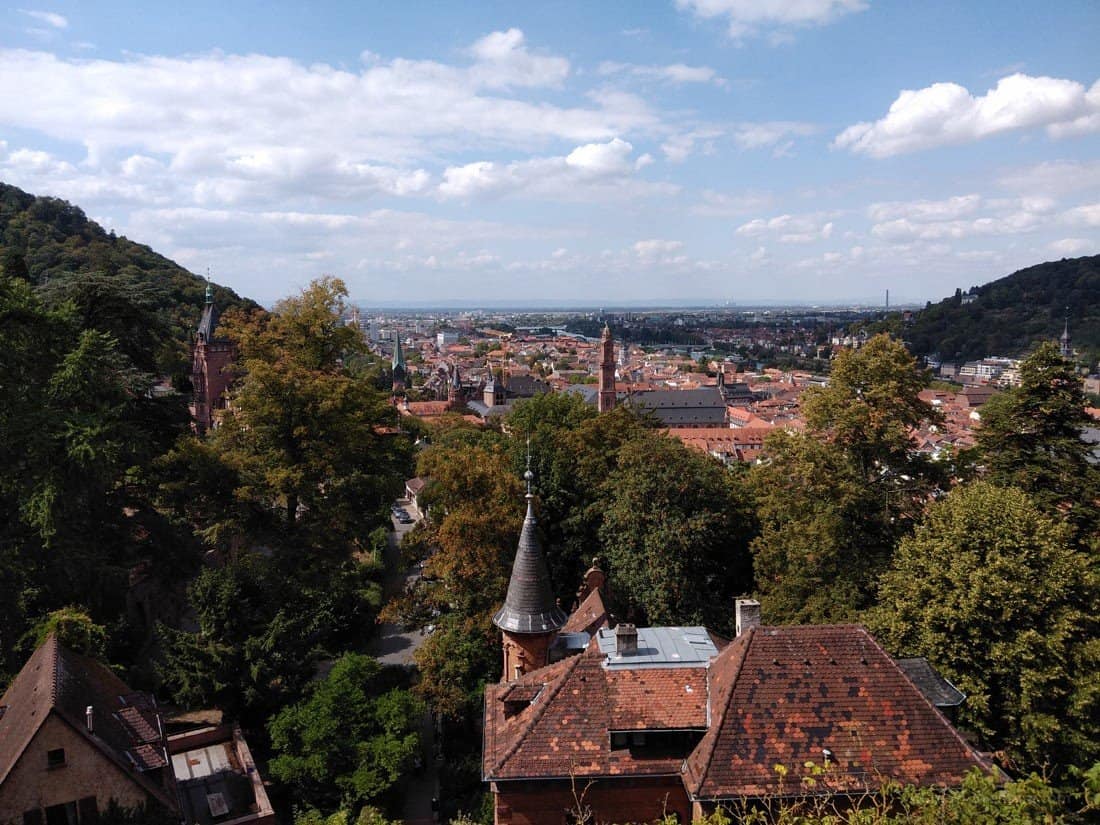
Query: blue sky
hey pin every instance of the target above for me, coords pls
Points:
(719, 150)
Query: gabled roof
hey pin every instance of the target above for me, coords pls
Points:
(565, 730)
(589, 616)
(208, 324)
(57, 680)
(780, 695)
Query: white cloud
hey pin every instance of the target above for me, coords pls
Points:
(504, 61)
(50, 18)
(657, 251)
(719, 205)
(244, 127)
(957, 218)
(590, 171)
(675, 74)
(1071, 247)
(946, 113)
(789, 228)
(775, 17)
(758, 135)
(1058, 177)
(1086, 215)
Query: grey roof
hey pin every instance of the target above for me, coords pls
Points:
(677, 408)
(398, 357)
(530, 606)
(208, 324)
(660, 647)
(935, 688)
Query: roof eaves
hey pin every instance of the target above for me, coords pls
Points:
(540, 711)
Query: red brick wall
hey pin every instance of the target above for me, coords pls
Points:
(611, 800)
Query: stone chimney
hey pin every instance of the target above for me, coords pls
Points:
(626, 639)
(748, 614)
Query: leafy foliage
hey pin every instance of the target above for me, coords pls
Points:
(350, 740)
(833, 502)
(1031, 438)
(993, 593)
(1012, 314)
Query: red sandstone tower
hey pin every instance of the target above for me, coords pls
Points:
(606, 399)
(530, 618)
(210, 360)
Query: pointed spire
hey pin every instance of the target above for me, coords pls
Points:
(398, 355)
(530, 606)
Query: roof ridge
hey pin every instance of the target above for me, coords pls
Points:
(943, 719)
(538, 714)
(716, 723)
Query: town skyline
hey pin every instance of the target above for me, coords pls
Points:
(817, 152)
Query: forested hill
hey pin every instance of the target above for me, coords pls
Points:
(1010, 315)
(49, 241)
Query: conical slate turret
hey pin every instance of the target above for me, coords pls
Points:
(530, 606)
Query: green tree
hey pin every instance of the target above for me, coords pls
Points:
(833, 502)
(350, 741)
(991, 591)
(303, 433)
(675, 533)
(1031, 438)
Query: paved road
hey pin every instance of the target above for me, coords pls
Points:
(395, 646)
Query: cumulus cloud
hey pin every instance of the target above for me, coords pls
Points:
(244, 125)
(720, 205)
(657, 251)
(503, 61)
(947, 113)
(789, 228)
(675, 74)
(746, 18)
(960, 217)
(50, 18)
(593, 170)
(1071, 247)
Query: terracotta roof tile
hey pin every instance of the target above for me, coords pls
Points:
(780, 695)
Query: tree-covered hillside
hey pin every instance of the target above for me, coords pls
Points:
(1010, 315)
(48, 241)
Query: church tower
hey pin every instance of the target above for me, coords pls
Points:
(1064, 343)
(530, 618)
(400, 371)
(455, 397)
(606, 399)
(210, 360)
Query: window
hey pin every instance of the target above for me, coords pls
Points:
(55, 758)
(64, 814)
(32, 817)
(89, 810)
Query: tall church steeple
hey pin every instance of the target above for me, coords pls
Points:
(400, 371)
(605, 401)
(1064, 342)
(531, 617)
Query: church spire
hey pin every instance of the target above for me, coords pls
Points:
(400, 371)
(1064, 341)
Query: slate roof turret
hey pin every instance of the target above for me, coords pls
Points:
(530, 606)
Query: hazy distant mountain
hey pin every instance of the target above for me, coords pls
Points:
(1008, 316)
(50, 239)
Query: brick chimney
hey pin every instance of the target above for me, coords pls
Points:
(748, 614)
(626, 639)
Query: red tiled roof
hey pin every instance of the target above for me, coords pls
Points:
(656, 698)
(590, 615)
(565, 731)
(779, 695)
